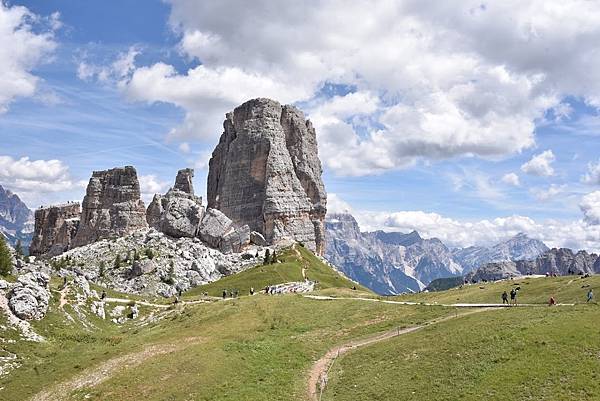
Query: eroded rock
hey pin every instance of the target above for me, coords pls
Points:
(55, 228)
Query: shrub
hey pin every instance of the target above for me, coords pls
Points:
(5, 258)
(149, 253)
(117, 261)
(267, 259)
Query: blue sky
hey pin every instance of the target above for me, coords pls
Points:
(416, 131)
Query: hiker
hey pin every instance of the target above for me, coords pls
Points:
(267, 290)
(590, 295)
(224, 294)
(251, 290)
(513, 296)
(353, 288)
(552, 301)
(504, 298)
(103, 294)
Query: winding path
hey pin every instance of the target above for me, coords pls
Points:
(317, 378)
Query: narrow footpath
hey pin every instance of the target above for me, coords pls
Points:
(317, 378)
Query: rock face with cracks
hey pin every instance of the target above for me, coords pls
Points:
(265, 173)
(111, 207)
(179, 212)
(55, 228)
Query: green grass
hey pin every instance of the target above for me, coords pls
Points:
(568, 289)
(262, 347)
(289, 270)
(510, 354)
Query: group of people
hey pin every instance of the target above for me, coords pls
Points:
(514, 292)
(513, 297)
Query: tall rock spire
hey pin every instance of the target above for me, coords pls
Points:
(265, 172)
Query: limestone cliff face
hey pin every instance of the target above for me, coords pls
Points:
(55, 228)
(111, 207)
(265, 173)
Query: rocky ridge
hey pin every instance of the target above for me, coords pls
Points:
(265, 173)
(391, 262)
(16, 220)
(559, 261)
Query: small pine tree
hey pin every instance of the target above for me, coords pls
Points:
(267, 259)
(6, 263)
(273, 258)
(136, 255)
(102, 269)
(117, 261)
(19, 249)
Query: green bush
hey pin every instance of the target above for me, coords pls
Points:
(6, 263)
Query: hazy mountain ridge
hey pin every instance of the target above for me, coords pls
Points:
(16, 219)
(393, 262)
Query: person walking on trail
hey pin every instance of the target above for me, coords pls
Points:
(513, 296)
(504, 298)
(251, 290)
(224, 294)
(552, 301)
(103, 295)
(590, 296)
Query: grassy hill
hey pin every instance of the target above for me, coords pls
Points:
(567, 289)
(292, 261)
(263, 347)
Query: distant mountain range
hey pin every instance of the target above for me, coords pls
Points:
(392, 262)
(16, 220)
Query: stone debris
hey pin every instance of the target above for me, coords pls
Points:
(97, 308)
(265, 173)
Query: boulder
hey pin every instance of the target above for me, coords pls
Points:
(258, 239)
(112, 206)
(29, 297)
(141, 267)
(214, 226)
(235, 241)
(265, 173)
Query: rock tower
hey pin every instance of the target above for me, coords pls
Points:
(265, 173)
(55, 228)
(112, 206)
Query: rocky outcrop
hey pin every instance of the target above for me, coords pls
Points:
(183, 181)
(179, 212)
(29, 297)
(236, 240)
(111, 207)
(265, 173)
(55, 228)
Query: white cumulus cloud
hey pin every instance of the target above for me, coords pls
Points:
(26, 41)
(592, 177)
(590, 206)
(511, 179)
(540, 165)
